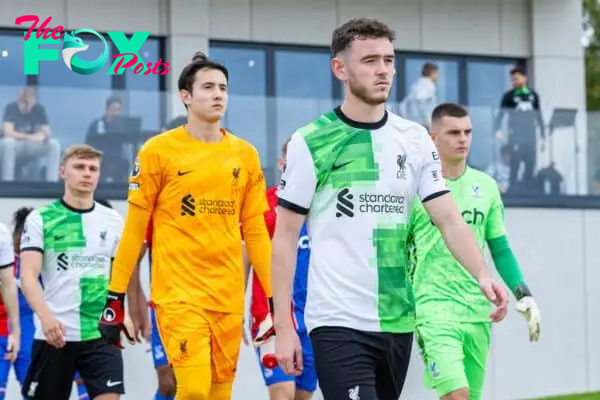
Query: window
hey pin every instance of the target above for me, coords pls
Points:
(12, 77)
(247, 110)
(486, 83)
(143, 96)
(11, 60)
(448, 81)
(74, 101)
(303, 87)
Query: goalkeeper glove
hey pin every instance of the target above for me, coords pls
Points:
(266, 329)
(112, 321)
(528, 307)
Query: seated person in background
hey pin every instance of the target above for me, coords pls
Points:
(115, 167)
(26, 134)
(114, 109)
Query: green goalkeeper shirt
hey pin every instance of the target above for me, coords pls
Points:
(444, 290)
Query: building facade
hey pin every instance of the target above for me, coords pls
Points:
(277, 53)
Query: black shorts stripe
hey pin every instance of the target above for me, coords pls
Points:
(435, 195)
(292, 207)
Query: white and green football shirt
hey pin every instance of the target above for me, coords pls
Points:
(356, 181)
(78, 246)
(444, 289)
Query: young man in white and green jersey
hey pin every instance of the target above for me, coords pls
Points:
(453, 317)
(354, 172)
(69, 244)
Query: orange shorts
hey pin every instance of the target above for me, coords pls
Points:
(194, 337)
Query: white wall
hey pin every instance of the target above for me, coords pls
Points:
(558, 253)
(559, 76)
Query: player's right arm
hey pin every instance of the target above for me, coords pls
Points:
(296, 192)
(145, 183)
(31, 258)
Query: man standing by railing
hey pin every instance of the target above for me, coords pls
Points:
(522, 104)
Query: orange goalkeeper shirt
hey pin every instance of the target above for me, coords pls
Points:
(198, 193)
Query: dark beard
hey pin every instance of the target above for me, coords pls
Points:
(361, 92)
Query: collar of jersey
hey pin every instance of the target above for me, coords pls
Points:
(460, 176)
(77, 210)
(524, 90)
(370, 126)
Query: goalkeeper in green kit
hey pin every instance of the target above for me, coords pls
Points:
(453, 316)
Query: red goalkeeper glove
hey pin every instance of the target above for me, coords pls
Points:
(112, 321)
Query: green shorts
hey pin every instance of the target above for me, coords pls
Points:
(455, 355)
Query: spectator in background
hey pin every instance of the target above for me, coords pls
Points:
(105, 124)
(522, 105)
(27, 137)
(500, 170)
(101, 135)
(418, 105)
(549, 181)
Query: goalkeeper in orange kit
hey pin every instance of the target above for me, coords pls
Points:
(198, 183)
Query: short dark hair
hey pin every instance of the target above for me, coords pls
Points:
(448, 110)
(113, 100)
(19, 218)
(428, 68)
(284, 146)
(357, 28)
(518, 70)
(199, 62)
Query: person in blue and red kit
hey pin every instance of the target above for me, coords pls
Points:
(23, 358)
(280, 385)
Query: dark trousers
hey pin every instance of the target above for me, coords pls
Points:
(523, 152)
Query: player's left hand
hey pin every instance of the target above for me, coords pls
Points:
(140, 318)
(496, 294)
(12, 347)
(528, 307)
(112, 321)
(129, 330)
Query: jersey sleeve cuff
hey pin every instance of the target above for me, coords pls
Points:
(6, 266)
(435, 195)
(292, 207)
(33, 248)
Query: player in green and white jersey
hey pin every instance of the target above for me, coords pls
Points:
(66, 252)
(354, 172)
(453, 317)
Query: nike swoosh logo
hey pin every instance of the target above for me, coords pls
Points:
(182, 173)
(111, 383)
(338, 166)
